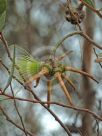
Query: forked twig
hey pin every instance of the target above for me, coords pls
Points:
(49, 110)
(80, 72)
(92, 8)
(81, 33)
(12, 122)
(18, 111)
(58, 76)
(55, 103)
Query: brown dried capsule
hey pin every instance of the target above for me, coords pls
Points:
(74, 15)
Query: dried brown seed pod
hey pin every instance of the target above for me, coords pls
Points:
(74, 15)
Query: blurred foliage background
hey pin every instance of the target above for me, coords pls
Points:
(37, 25)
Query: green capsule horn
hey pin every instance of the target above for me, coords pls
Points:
(26, 64)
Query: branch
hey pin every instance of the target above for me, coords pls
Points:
(49, 110)
(93, 9)
(54, 103)
(84, 35)
(12, 122)
(18, 110)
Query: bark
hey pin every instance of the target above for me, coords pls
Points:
(87, 90)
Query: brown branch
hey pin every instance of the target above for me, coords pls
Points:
(70, 9)
(80, 72)
(54, 103)
(52, 113)
(91, 8)
(5, 44)
(49, 110)
(8, 52)
(9, 72)
(18, 111)
(12, 122)
(65, 90)
(81, 33)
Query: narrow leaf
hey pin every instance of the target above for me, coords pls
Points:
(3, 4)
(2, 20)
(89, 2)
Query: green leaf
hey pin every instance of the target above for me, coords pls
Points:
(3, 5)
(2, 20)
(90, 2)
(12, 71)
(28, 66)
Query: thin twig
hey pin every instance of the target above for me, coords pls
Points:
(66, 129)
(81, 33)
(12, 122)
(92, 8)
(8, 52)
(65, 90)
(5, 44)
(69, 6)
(18, 111)
(9, 72)
(97, 57)
(80, 72)
(54, 103)
(49, 110)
